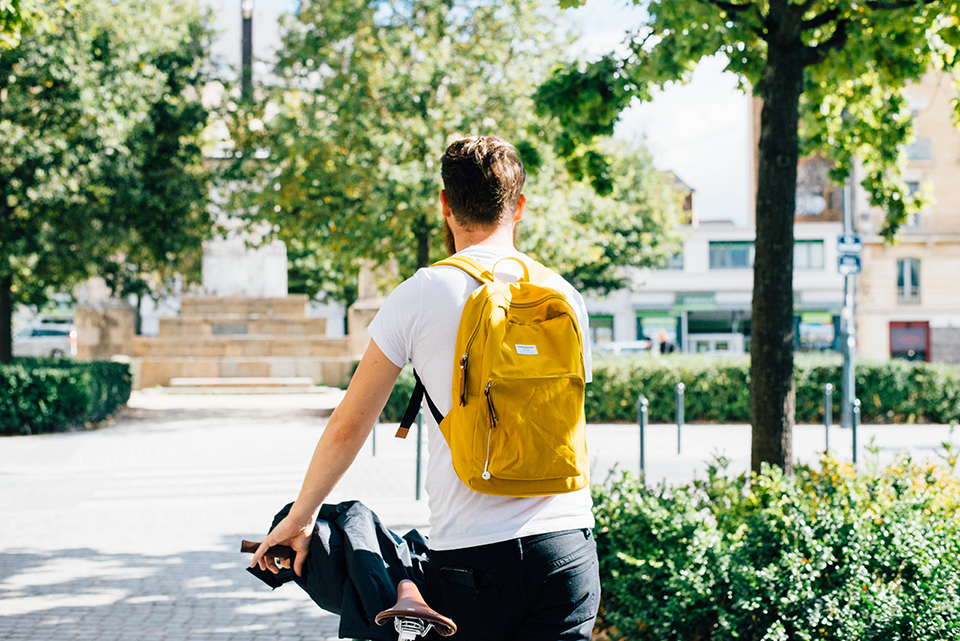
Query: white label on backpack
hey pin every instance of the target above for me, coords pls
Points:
(526, 350)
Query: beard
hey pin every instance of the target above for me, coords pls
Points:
(448, 240)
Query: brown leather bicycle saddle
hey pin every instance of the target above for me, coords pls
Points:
(410, 605)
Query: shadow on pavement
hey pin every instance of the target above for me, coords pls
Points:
(87, 594)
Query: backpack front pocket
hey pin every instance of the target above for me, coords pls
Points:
(544, 438)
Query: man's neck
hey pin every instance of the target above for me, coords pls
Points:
(501, 237)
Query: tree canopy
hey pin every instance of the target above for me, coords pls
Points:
(833, 76)
(346, 142)
(99, 164)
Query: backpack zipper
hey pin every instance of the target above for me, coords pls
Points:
(463, 379)
(493, 424)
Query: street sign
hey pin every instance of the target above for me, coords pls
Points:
(850, 244)
(848, 264)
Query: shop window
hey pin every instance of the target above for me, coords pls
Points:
(908, 280)
(731, 255)
(808, 254)
(910, 340)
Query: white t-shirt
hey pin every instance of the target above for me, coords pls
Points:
(418, 324)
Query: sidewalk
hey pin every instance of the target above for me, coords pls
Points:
(131, 532)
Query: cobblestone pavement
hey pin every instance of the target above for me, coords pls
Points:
(130, 532)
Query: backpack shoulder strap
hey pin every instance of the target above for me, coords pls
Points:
(468, 265)
(539, 273)
(413, 407)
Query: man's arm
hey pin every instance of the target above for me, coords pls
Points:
(345, 433)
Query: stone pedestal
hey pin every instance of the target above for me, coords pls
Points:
(104, 329)
(230, 268)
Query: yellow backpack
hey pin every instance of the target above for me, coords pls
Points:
(517, 427)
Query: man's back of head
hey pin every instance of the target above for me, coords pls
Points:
(483, 178)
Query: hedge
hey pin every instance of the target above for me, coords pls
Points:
(717, 390)
(827, 554)
(47, 395)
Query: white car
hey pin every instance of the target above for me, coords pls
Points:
(47, 340)
(618, 348)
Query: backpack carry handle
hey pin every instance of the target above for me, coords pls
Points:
(534, 273)
(526, 272)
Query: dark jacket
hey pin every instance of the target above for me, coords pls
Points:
(354, 566)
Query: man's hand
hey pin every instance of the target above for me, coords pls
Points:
(292, 532)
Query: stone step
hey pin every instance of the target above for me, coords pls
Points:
(242, 381)
(239, 324)
(154, 370)
(245, 385)
(238, 346)
(294, 305)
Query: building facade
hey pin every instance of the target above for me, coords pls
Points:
(702, 303)
(908, 305)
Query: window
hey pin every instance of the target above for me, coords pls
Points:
(675, 261)
(808, 254)
(601, 329)
(913, 220)
(908, 280)
(731, 255)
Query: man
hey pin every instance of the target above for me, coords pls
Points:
(501, 567)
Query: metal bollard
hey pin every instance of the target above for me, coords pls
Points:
(680, 388)
(827, 414)
(419, 448)
(642, 411)
(854, 428)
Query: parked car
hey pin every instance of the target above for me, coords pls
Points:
(49, 339)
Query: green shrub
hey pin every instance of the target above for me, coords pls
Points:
(828, 554)
(46, 395)
(718, 389)
(399, 397)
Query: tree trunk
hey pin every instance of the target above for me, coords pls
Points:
(138, 317)
(772, 391)
(422, 233)
(6, 318)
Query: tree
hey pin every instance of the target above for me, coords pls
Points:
(832, 75)
(81, 105)
(342, 153)
(17, 17)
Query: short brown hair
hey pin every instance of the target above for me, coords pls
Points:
(483, 177)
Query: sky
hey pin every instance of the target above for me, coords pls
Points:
(699, 130)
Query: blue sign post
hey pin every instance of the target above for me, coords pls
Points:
(849, 265)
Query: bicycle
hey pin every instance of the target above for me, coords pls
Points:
(411, 615)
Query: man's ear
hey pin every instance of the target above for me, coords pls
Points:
(445, 204)
(521, 203)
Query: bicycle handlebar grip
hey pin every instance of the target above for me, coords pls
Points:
(279, 551)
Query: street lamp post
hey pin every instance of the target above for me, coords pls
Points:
(848, 326)
(246, 50)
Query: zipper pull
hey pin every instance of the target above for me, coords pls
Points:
(493, 412)
(463, 380)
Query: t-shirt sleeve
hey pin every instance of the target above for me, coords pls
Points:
(584, 319)
(395, 325)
